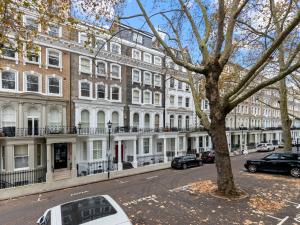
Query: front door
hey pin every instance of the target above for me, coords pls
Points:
(33, 125)
(117, 153)
(60, 156)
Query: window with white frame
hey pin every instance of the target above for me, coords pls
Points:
(147, 57)
(100, 44)
(39, 155)
(115, 48)
(101, 90)
(55, 30)
(53, 58)
(54, 118)
(187, 122)
(179, 122)
(115, 93)
(137, 38)
(8, 51)
(85, 65)
(156, 121)
(136, 76)
(21, 157)
(157, 60)
(136, 54)
(187, 87)
(115, 119)
(31, 23)
(147, 97)
(100, 119)
(187, 102)
(32, 82)
(115, 71)
(9, 116)
(83, 38)
(136, 120)
(147, 121)
(85, 119)
(146, 143)
(157, 99)
(159, 147)
(179, 84)
(97, 149)
(172, 82)
(172, 121)
(179, 101)
(172, 100)
(157, 80)
(85, 89)
(54, 85)
(136, 96)
(9, 80)
(147, 78)
(100, 68)
(205, 104)
(33, 55)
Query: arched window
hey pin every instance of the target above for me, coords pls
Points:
(171, 121)
(147, 121)
(179, 122)
(54, 118)
(187, 122)
(115, 119)
(136, 120)
(156, 121)
(8, 117)
(101, 119)
(85, 119)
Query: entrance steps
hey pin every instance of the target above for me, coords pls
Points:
(62, 174)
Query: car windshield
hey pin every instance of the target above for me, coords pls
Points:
(86, 210)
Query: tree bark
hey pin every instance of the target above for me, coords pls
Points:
(217, 131)
(284, 114)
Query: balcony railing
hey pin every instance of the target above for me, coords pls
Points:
(20, 178)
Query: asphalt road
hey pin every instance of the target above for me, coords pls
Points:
(150, 199)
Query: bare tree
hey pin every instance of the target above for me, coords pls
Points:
(215, 34)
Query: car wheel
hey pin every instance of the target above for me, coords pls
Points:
(252, 168)
(184, 166)
(295, 172)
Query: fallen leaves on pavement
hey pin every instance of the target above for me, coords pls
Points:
(199, 187)
(264, 204)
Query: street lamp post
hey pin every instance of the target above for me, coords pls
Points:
(109, 125)
(242, 141)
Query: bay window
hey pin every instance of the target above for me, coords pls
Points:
(179, 101)
(157, 60)
(147, 97)
(21, 157)
(157, 80)
(157, 100)
(100, 68)
(147, 57)
(136, 96)
(32, 82)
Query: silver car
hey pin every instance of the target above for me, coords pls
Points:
(95, 210)
(265, 147)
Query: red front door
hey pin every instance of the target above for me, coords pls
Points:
(117, 153)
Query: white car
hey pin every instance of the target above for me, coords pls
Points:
(94, 210)
(265, 147)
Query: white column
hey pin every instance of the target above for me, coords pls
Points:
(120, 165)
(64, 116)
(176, 146)
(197, 144)
(184, 144)
(89, 151)
(21, 116)
(74, 160)
(9, 158)
(151, 146)
(165, 150)
(49, 174)
(44, 120)
(134, 155)
(255, 139)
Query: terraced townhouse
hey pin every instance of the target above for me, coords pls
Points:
(72, 109)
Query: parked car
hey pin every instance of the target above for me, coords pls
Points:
(95, 210)
(208, 157)
(184, 162)
(276, 162)
(265, 147)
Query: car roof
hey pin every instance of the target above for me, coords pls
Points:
(118, 217)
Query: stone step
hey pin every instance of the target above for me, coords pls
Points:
(62, 175)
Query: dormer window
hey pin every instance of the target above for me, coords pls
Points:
(137, 38)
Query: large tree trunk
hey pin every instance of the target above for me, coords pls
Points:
(217, 131)
(285, 119)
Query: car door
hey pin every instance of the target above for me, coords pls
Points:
(270, 162)
(285, 162)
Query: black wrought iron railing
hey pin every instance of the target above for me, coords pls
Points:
(89, 168)
(20, 178)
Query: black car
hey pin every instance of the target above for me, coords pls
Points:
(276, 162)
(184, 162)
(208, 157)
